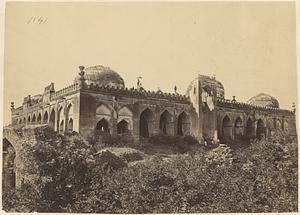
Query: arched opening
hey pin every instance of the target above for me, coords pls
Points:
(8, 166)
(39, 118)
(24, 120)
(45, 118)
(33, 118)
(260, 129)
(249, 128)
(146, 120)
(52, 119)
(238, 129)
(226, 128)
(60, 120)
(28, 120)
(69, 115)
(122, 127)
(164, 122)
(61, 126)
(102, 126)
(70, 125)
(183, 124)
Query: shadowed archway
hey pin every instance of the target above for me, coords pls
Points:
(183, 124)
(146, 120)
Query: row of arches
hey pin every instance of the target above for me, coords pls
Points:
(237, 130)
(63, 121)
(147, 123)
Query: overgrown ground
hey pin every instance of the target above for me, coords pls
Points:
(162, 175)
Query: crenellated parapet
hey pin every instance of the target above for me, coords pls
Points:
(227, 103)
(65, 91)
(139, 94)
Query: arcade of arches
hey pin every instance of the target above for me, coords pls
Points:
(237, 130)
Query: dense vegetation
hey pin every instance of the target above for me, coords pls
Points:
(69, 175)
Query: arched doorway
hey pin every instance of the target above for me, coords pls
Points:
(33, 118)
(8, 166)
(70, 125)
(45, 118)
(238, 129)
(122, 127)
(165, 121)
(102, 126)
(249, 129)
(183, 124)
(28, 120)
(146, 120)
(69, 117)
(52, 119)
(60, 120)
(39, 118)
(226, 128)
(260, 129)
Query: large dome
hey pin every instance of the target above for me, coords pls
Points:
(101, 75)
(264, 100)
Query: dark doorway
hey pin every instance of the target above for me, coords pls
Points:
(52, 119)
(249, 128)
(238, 129)
(226, 128)
(102, 126)
(145, 121)
(45, 119)
(260, 129)
(183, 124)
(122, 127)
(164, 122)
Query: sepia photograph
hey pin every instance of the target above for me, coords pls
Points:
(149, 107)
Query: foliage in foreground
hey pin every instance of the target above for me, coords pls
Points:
(72, 178)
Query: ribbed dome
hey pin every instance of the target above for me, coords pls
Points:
(101, 75)
(264, 100)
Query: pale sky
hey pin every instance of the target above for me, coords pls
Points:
(250, 47)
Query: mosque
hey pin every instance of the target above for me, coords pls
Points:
(99, 101)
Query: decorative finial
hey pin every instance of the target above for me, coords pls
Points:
(233, 99)
(175, 89)
(139, 83)
(81, 74)
(12, 105)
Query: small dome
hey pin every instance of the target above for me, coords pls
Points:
(264, 100)
(101, 75)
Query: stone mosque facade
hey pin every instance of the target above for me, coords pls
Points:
(99, 102)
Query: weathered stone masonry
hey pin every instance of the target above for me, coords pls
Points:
(99, 102)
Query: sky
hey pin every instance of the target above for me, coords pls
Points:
(249, 46)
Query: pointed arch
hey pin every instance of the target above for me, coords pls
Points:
(103, 109)
(33, 118)
(226, 128)
(260, 129)
(69, 117)
(45, 118)
(52, 119)
(60, 121)
(39, 118)
(146, 123)
(165, 121)
(249, 130)
(122, 127)
(125, 111)
(102, 126)
(28, 119)
(238, 128)
(70, 125)
(183, 124)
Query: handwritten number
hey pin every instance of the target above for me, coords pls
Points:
(37, 20)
